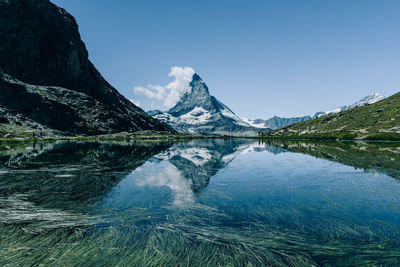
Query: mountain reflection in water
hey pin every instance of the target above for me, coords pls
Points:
(205, 202)
(186, 168)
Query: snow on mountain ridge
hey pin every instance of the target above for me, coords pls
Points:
(199, 112)
(367, 100)
(278, 122)
(196, 116)
(253, 122)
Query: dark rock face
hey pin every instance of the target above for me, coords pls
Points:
(40, 45)
(198, 97)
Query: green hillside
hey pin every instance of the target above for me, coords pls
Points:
(379, 121)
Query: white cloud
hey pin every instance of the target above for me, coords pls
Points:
(179, 86)
(151, 91)
(136, 102)
(173, 91)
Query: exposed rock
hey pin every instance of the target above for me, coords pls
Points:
(46, 75)
(201, 113)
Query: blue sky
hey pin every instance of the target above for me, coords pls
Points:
(261, 58)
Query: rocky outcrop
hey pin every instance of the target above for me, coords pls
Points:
(46, 75)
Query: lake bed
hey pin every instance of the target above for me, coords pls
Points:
(232, 202)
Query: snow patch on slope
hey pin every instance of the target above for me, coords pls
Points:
(252, 123)
(225, 111)
(197, 115)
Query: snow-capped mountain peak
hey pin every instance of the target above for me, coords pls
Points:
(199, 112)
(197, 96)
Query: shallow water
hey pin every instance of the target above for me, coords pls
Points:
(233, 202)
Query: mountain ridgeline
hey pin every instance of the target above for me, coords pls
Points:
(367, 100)
(200, 113)
(47, 82)
(49, 86)
(377, 121)
(279, 122)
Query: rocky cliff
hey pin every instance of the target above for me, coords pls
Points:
(47, 80)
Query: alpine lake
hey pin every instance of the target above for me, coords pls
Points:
(211, 202)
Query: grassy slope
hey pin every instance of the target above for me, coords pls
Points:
(379, 121)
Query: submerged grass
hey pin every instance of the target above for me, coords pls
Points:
(229, 226)
(133, 247)
(173, 246)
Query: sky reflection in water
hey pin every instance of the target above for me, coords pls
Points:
(310, 201)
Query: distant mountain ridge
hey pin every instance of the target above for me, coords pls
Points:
(369, 99)
(275, 122)
(379, 120)
(279, 122)
(199, 112)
